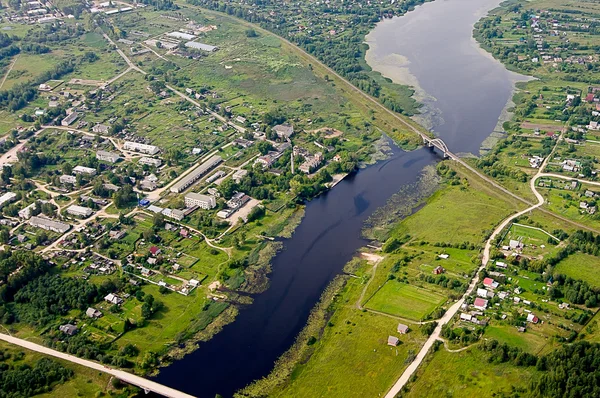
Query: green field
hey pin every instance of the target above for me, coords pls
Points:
(467, 374)
(581, 266)
(352, 358)
(458, 214)
(404, 300)
(530, 341)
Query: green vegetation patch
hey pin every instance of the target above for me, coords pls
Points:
(581, 266)
(404, 300)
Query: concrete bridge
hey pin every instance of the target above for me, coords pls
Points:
(145, 384)
(439, 144)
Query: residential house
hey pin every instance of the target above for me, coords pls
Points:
(155, 251)
(490, 283)
(66, 179)
(113, 299)
(79, 211)
(150, 161)
(68, 329)
(106, 156)
(283, 130)
(93, 313)
(438, 270)
(84, 170)
(393, 341)
(7, 198)
(142, 148)
(48, 224)
(480, 304)
(67, 121)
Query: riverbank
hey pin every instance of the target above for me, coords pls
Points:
(442, 72)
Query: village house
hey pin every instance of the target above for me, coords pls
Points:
(113, 299)
(480, 304)
(100, 129)
(532, 318)
(93, 313)
(490, 283)
(155, 251)
(7, 198)
(402, 329)
(393, 341)
(438, 270)
(68, 329)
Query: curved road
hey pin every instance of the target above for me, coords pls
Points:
(412, 368)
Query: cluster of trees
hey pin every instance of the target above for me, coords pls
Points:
(574, 291)
(572, 370)
(445, 281)
(502, 353)
(30, 266)
(24, 380)
(463, 336)
(43, 299)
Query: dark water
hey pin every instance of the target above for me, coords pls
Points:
(327, 238)
(464, 89)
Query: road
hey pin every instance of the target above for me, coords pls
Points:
(12, 64)
(412, 368)
(215, 114)
(141, 382)
(122, 54)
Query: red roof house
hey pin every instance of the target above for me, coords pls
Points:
(154, 250)
(480, 303)
(589, 97)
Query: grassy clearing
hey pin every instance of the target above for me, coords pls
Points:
(404, 300)
(581, 266)
(467, 374)
(530, 341)
(456, 215)
(352, 357)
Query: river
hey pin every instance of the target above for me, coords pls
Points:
(432, 46)
(463, 88)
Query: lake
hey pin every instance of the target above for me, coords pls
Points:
(463, 88)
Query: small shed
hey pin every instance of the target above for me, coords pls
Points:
(402, 328)
(393, 341)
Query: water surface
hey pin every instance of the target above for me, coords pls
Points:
(432, 49)
(327, 238)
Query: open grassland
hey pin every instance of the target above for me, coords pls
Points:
(457, 214)
(400, 299)
(352, 357)
(581, 266)
(466, 374)
(531, 341)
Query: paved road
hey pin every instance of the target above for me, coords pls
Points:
(119, 374)
(412, 368)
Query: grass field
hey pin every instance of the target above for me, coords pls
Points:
(352, 358)
(581, 266)
(467, 374)
(404, 300)
(530, 341)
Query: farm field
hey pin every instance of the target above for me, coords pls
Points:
(404, 300)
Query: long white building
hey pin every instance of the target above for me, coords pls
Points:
(142, 148)
(196, 174)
